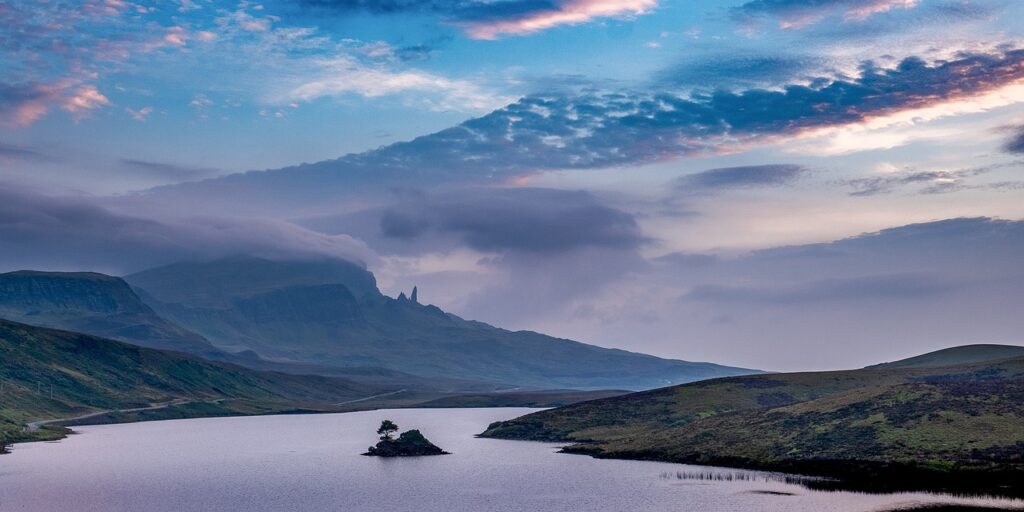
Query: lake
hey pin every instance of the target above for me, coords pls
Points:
(311, 463)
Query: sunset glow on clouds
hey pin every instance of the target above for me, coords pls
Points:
(547, 164)
(568, 12)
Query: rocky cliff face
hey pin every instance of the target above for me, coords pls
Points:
(31, 291)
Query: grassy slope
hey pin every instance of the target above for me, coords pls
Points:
(930, 426)
(89, 374)
(957, 355)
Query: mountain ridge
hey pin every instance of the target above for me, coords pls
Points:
(340, 318)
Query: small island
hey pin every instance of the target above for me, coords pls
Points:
(410, 443)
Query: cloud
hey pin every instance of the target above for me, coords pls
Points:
(83, 100)
(872, 287)
(139, 115)
(711, 70)
(342, 75)
(522, 219)
(935, 182)
(740, 177)
(795, 14)
(547, 132)
(167, 171)
(494, 20)
(22, 105)
(483, 19)
(15, 152)
(77, 233)
(490, 220)
(1015, 144)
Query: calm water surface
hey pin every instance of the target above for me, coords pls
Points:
(312, 463)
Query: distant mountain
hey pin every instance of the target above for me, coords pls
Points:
(106, 306)
(54, 374)
(95, 304)
(957, 355)
(951, 427)
(331, 313)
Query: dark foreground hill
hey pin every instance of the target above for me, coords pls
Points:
(330, 313)
(48, 374)
(956, 427)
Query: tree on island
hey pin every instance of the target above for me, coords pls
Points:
(387, 427)
(410, 443)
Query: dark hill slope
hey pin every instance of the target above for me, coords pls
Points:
(949, 427)
(57, 374)
(957, 355)
(95, 304)
(339, 318)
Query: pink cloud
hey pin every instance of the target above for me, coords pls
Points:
(571, 12)
(140, 114)
(23, 106)
(869, 8)
(255, 25)
(859, 11)
(176, 36)
(83, 100)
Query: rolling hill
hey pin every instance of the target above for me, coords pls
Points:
(957, 427)
(957, 355)
(330, 312)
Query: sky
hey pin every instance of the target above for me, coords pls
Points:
(778, 184)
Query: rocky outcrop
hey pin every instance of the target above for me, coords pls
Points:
(409, 444)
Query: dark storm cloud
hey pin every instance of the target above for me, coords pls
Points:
(1015, 144)
(76, 233)
(740, 177)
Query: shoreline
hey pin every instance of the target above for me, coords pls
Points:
(832, 475)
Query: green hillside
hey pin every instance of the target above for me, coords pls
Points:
(58, 374)
(958, 427)
(332, 314)
(957, 355)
